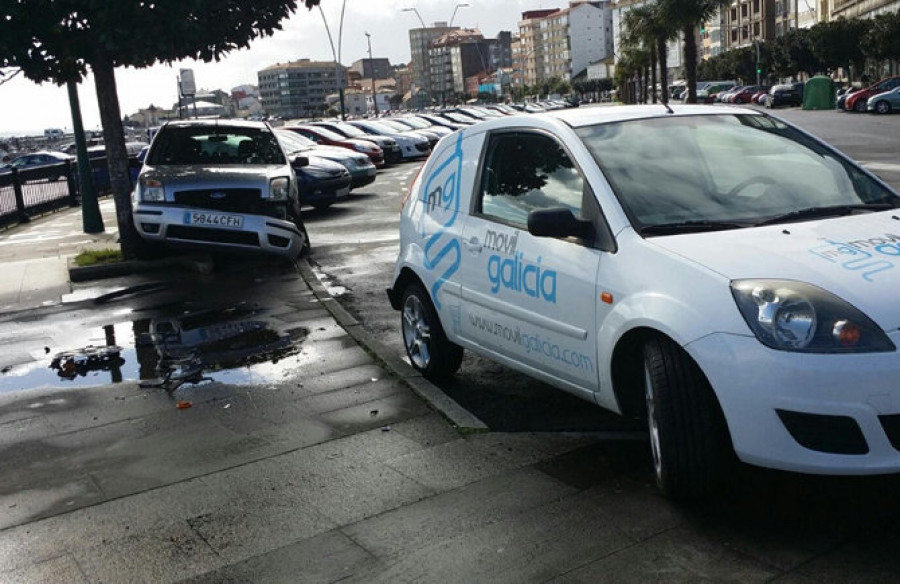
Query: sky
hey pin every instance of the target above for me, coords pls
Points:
(27, 108)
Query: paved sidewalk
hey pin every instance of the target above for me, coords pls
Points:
(341, 473)
(34, 255)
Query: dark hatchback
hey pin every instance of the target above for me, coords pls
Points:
(790, 94)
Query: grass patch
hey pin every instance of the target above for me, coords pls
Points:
(98, 256)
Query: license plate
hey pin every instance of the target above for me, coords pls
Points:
(213, 219)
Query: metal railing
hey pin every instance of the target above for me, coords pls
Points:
(35, 191)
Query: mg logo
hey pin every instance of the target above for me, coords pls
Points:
(217, 195)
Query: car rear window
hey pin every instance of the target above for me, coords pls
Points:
(215, 145)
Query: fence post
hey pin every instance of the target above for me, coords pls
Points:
(73, 190)
(20, 200)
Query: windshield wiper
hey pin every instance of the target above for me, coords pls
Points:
(694, 226)
(821, 212)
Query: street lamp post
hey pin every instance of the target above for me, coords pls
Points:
(758, 70)
(457, 7)
(372, 72)
(419, 16)
(337, 55)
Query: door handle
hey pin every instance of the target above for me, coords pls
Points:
(473, 245)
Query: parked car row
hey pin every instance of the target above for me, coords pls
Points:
(882, 97)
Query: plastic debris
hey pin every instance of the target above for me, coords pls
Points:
(183, 404)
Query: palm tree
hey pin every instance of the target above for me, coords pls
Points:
(648, 26)
(688, 15)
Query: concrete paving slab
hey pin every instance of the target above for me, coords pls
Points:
(454, 513)
(678, 555)
(60, 569)
(329, 557)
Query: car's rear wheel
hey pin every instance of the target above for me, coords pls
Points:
(320, 206)
(860, 105)
(688, 435)
(426, 344)
(883, 107)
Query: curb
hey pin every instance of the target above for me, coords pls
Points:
(197, 264)
(462, 419)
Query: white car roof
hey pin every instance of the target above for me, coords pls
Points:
(587, 116)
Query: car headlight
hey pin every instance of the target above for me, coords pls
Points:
(152, 191)
(796, 316)
(279, 188)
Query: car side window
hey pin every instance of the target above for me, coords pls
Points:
(525, 171)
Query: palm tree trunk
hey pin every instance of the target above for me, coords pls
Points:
(690, 62)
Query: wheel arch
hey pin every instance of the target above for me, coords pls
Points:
(406, 277)
(627, 370)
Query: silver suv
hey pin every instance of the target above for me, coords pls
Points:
(221, 184)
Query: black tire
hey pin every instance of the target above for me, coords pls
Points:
(689, 439)
(427, 346)
(301, 227)
(882, 107)
(859, 106)
(320, 206)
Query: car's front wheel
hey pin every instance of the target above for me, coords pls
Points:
(426, 344)
(860, 105)
(883, 107)
(688, 436)
(301, 227)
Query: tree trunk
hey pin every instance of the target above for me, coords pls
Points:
(690, 63)
(663, 57)
(653, 75)
(116, 155)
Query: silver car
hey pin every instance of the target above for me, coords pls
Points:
(220, 184)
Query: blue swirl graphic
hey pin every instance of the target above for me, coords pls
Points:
(440, 210)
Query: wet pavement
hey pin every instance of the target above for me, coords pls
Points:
(307, 457)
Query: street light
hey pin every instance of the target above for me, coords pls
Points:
(372, 71)
(457, 7)
(417, 14)
(337, 55)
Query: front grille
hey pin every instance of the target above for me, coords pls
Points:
(188, 233)
(832, 434)
(233, 200)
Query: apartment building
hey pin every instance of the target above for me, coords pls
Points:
(299, 88)
(419, 41)
(562, 43)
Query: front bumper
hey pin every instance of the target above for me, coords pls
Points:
(816, 413)
(258, 233)
(362, 176)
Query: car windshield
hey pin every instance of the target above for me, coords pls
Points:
(396, 125)
(293, 142)
(215, 145)
(741, 169)
(379, 128)
(415, 122)
(349, 130)
(328, 134)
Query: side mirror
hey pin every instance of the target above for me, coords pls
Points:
(559, 222)
(300, 161)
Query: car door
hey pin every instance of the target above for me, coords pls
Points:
(530, 301)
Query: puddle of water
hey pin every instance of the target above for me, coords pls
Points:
(239, 345)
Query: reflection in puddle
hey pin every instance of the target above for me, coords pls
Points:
(238, 345)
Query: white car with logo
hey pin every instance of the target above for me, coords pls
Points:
(721, 273)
